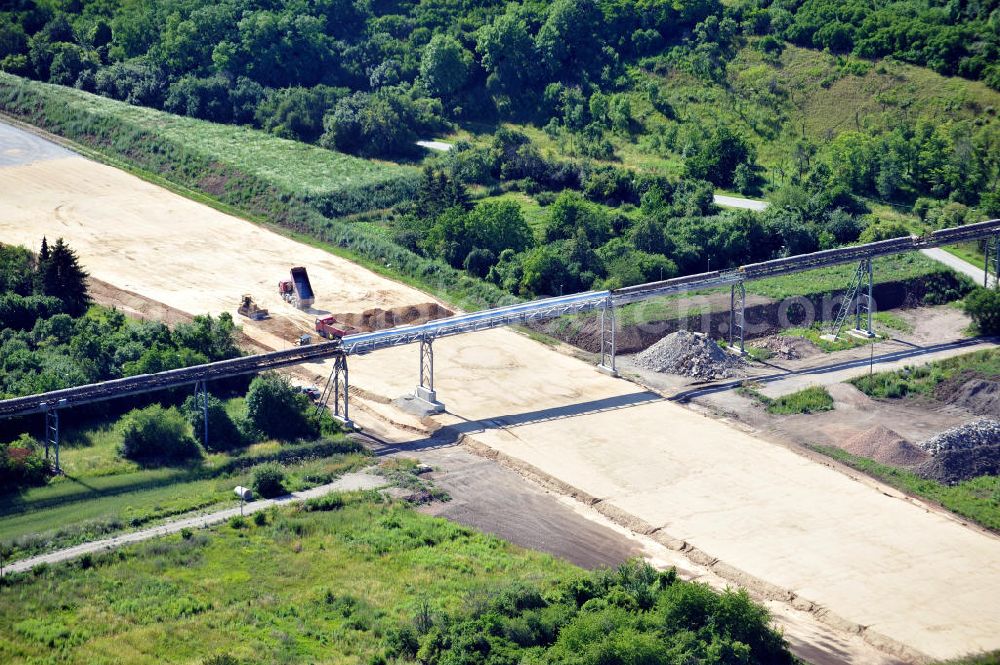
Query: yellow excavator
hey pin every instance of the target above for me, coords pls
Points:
(250, 309)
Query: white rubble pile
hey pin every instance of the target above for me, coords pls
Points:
(690, 354)
(979, 432)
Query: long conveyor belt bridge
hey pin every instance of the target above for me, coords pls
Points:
(857, 302)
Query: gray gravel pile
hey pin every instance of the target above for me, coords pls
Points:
(963, 452)
(979, 432)
(690, 354)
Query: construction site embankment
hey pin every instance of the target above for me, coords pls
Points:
(709, 313)
(912, 581)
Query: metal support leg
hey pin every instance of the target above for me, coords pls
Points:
(608, 342)
(427, 364)
(52, 435)
(425, 394)
(201, 394)
(870, 302)
(991, 254)
(737, 308)
(996, 261)
(337, 387)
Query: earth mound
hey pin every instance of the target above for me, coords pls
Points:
(690, 354)
(885, 446)
(379, 319)
(980, 396)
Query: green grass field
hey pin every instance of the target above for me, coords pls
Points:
(101, 493)
(305, 587)
(808, 400)
(291, 165)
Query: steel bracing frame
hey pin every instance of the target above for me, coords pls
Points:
(337, 387)
(991, 256)
(492, 318)
(737, 308)
(201, 396)
(52, 435)
(857, 300)
(608, 345)
(427, 364)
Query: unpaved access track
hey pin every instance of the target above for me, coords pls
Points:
(862, 566)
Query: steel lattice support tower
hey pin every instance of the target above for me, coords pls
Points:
(737, 308)
(336, 387)
(52, 435)
(858, 300)
(427, 364)
(608, 338)
(991, 255)
(201, 395)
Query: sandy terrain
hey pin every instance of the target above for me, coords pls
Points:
(187, 256)
(862, 559)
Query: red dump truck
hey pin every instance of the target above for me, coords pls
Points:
(328, 328)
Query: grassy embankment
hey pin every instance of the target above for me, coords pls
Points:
(309, 193)
(805, 92)
(357, 579)
(924, 379)
(101, 493)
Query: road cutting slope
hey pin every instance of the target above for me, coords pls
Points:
(881, 564)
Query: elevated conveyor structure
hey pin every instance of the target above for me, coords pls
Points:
(519, 313)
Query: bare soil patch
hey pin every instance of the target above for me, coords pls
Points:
(787, 348)
(134, 304)
(969, 391)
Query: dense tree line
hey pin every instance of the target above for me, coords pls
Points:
(952, 38)
(631, 614)
(34, 287)
(363, 77)
(49, 339)
(670, 229)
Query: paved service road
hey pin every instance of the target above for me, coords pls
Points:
(737, 202)
(955, 263)
(347, 483)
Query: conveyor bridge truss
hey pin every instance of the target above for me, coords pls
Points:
(513, 314)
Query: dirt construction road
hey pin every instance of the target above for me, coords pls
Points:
(912, 581)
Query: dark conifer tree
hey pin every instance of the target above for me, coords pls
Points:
(61, 275)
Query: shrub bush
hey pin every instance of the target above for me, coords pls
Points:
(983, 306)
(222, 431)
(22, 465)
(269, 480)
(155, 435)
(278, 410)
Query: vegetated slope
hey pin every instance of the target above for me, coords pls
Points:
(805, 94)
(361, 580)
(335, 183)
